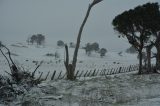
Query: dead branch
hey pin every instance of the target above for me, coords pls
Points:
(6, 59)
(40, 76)
(47, 75)
(66, 62)
(8, 73)
(33, 73)
(9, 53)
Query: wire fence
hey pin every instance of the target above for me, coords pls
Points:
(93, 72)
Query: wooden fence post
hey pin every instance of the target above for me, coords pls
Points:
(59, 75)
(81, 74)
(120, 70)
(93, 74)
(107, 71)
(89, 73)
(117, 70)
(47, 75)
(97, 72)
(77, 73)
(64, 75)
(85, 73)
(40, 76)
(53, 75)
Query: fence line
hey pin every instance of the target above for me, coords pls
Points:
(94, 72)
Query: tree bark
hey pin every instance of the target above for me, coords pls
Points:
(66, 62)
(157, 45)
(148, 50)
(158, 58)
(79, 38)
(71, 67)
(70, 74)
(140, 62)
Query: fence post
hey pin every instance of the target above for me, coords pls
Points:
(59, 75)
(114, 72)
(101, 72)
(47, 75)
(120, 70)
(40, 76)
(104, 72)
(85, 73)
(97, 72)
(117, 70)
(129, 68)
(111, 71)
(81, 74)
(93, 72)
(53, 75)
(107, 71)
(124, 69)
(89, 73)
(64, 75)
(77, 73)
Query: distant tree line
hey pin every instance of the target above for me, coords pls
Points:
(38, 39)
(61, 43)
(90, 47)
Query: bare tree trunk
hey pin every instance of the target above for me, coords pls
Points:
(148, 50)
(70, 74)
(80, 33)
(71, 67)
(79, 38)
(158, 58)
(140, 53)
(140, 62)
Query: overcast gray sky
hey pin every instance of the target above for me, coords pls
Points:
(61, 19)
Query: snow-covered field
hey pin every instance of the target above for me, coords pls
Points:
(28, 56)
(114, 90)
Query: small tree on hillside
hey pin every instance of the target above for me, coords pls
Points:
(60, 43)
(33, 39)
(95, 46)
(88, 49)
(91, 47)
(103, 52)
(40, 39)
(72, 45)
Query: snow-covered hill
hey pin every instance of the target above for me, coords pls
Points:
(28, 56)
(115, 90)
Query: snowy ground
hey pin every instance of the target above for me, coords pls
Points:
(28, 56)
(116, 90)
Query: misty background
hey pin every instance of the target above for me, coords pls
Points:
(61, 19)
